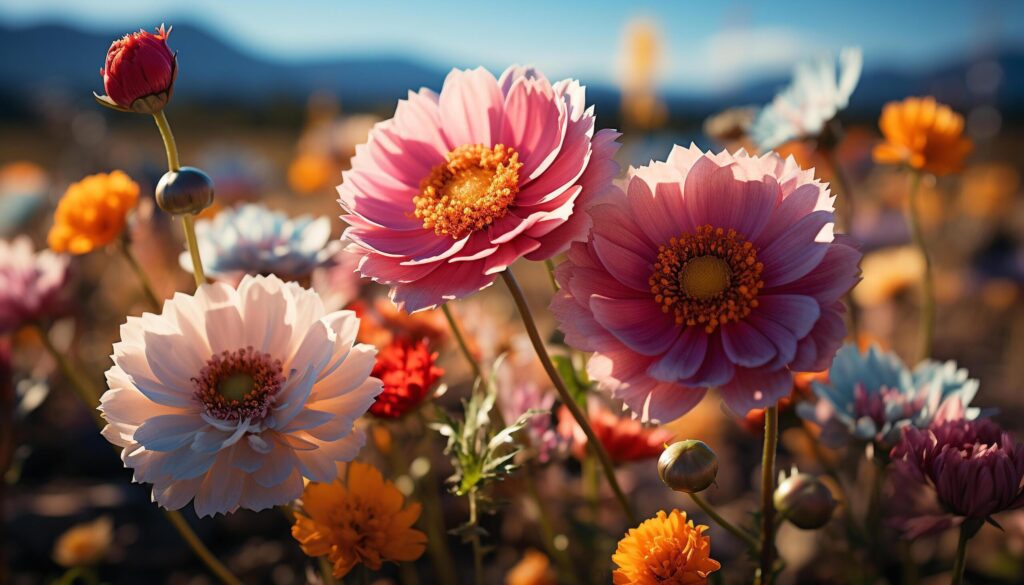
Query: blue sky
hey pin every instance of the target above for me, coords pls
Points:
(707, 45)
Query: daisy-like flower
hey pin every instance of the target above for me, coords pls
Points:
(923, 134)
(409, 372)
(816, 94)
(714, 270)
(362, 521)
(251, 239)
(955, 472)
(665, 549)
(234, 395)
(624, 439)
(93, 212)
(31, 284)
(459, 185)
(872, 395)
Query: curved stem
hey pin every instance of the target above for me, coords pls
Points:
(928, 284)
(190, 537)
(478, 552)
(846, 222)
(731, 528)
(169, 145)
(960, 564)
(188, 221)
(563, 392)
(461, 340)
(771, 438)
(147, 286)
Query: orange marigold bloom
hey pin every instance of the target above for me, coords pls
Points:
(665, 550)
(533, 569)
(923, 134)
(92, 212)
(84, 545)
(360, 521)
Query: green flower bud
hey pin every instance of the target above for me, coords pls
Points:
(688, 466)
(805, 501)
(187, 190)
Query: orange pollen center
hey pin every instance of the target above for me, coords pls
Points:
(472, 189)
(707, 278)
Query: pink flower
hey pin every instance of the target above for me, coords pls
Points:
(459, 185)
(234, 395)
(713, 270)
(954, 472)
(31, 284)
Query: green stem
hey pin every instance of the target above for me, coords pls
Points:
(928, 284)
(188, 222)
(147, 286)
(550, 265)
(89, 395)
(169, 144)
(478, 552)
(565, 568)
(731, 528)
(563, 392)
(960, 564)
(461, 340)
(771, 438)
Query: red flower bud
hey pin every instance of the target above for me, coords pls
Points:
(139, 72)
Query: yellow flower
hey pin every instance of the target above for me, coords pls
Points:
(84, 545)
(887, 273)
(360, 521)
(92, 212)
(923, 134)
(533, 569)
(664, 550)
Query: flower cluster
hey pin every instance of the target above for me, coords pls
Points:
(407, 369)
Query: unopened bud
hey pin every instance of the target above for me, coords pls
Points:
(805, 501)
(187, 190)
(688, 466)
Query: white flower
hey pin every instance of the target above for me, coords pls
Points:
(813, 98)
(233, 395)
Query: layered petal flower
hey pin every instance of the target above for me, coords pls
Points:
(819, 90)
(954, 472)
(624, 439)
(409, 372)
(93, 212)
(31, 284)
(665, 549)
(251, 239)
(459, 185)
(872, 395)
(714, 270)
(232, 396)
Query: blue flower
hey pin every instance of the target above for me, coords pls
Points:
(251, 239)
(871, 396)
(813, 98)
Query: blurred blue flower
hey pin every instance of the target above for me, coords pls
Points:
(871, 396)
(813, 98)
(251, 239)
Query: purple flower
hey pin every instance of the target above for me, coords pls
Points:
(954, 472)
(30, 283)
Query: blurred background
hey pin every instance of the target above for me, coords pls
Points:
(272, 98)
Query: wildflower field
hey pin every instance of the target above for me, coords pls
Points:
(750, 312)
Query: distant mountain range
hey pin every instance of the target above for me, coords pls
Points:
(47, 57)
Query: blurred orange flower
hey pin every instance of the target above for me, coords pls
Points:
(923, 134)
(533, 569)
(92, 212)
(665, 549)
(360, 521)
(84, 545)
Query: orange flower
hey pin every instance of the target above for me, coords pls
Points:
(92, 212)
(533, 569)
(923, 134)
(84, 545)
(665, 549)
(360, 521)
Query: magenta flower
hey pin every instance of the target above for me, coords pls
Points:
(459, 185)
(31, 284)
(714, 270)
(954, 472)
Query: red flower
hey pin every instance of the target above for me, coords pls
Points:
(140, 66)
(625, 439)
(408, 372)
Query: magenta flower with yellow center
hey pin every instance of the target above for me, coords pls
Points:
(715, 270)
(459, 185)
(232, 396)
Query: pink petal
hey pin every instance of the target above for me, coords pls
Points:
(682, 360)
(638, 323)
(472, 108)
(745, 345)
(757, 388)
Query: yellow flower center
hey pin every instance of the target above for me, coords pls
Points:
(707, 278)
(472, 189)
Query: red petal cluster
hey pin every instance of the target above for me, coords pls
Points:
(408, 371)
(139, 65)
